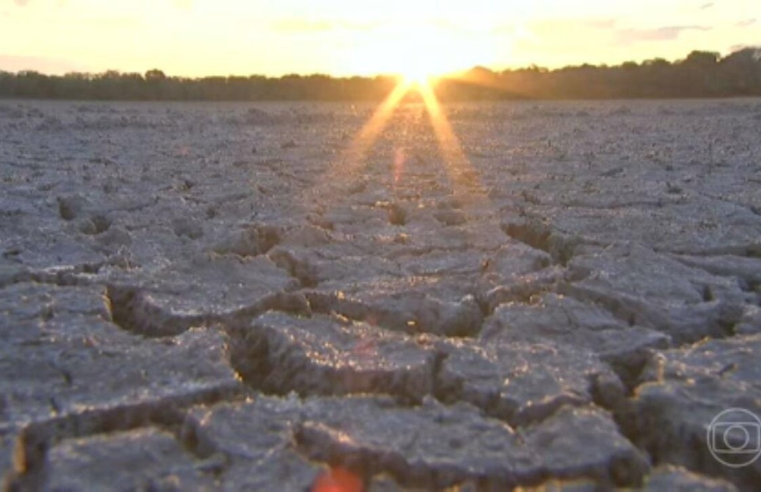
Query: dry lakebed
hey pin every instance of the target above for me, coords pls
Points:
(551, 295)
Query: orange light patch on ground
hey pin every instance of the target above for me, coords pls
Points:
(338, 480)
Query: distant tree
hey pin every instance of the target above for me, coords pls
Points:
(702, 58)
(658, 63)
(154, 75)
(741, 72)
(700, 74)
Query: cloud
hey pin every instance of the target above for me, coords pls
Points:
(667, 33)
(555, 26)
(49, 65)
(303, 25)
(25, 3)
(183, 4)
(323, 25)
(600, 23)
(707, 6)
(746, 23)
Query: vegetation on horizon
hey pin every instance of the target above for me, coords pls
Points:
(701, 74)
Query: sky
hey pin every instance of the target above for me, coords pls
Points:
(355, 37)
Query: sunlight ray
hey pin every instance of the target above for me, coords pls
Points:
(464, 178)
(372, 129)
(349, 164)
(466, 183)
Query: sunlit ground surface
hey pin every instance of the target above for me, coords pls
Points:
(521, 292)
(419, 87)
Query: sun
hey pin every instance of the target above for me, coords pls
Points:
(420, 66)
(416, 52)
(418, 76)
(415, 63)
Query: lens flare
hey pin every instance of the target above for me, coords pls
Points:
(350, 166)
(337, 480)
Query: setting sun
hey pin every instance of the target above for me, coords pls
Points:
(415, 51)
(418, 76)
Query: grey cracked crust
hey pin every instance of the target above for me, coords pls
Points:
(222, 297)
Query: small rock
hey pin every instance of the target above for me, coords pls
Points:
(115, 236)
(397, 215)
(187, 227)
(72, 206)
(250, 240)
(94, 225)
(450, 217)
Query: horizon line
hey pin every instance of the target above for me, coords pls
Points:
(449, 74)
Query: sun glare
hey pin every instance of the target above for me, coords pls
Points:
(416, 52)
(418, 65)
(419, 56)
(417, 77)
(421, 79)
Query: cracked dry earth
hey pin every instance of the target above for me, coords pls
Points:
(227, 297)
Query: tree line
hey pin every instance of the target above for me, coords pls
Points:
(701, 74)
